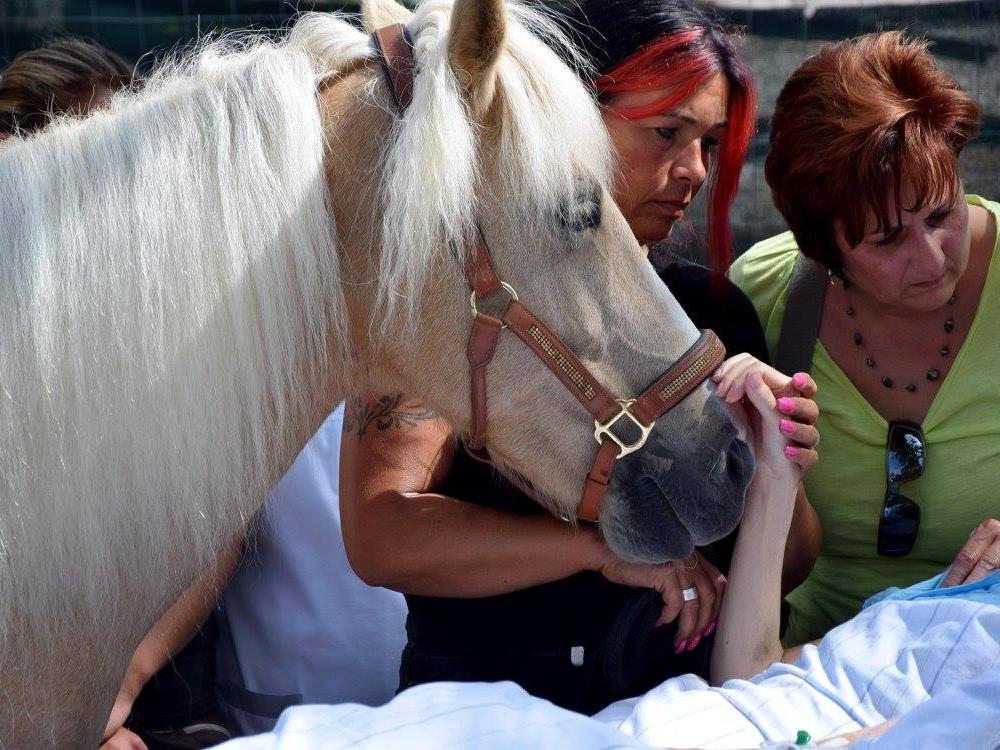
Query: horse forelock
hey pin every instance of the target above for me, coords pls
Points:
(550, 136)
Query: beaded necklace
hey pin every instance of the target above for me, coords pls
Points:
(932, 374)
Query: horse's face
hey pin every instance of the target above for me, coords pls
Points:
(574, 262)
(591, 283)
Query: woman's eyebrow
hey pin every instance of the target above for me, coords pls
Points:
(692, 121)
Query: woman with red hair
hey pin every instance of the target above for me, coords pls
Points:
(659, 62)
(863, 165)
(496, 588)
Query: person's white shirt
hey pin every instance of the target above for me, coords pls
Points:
(296, 624)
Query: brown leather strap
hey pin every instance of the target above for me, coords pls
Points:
(700, 361)
(482, 346)
(397, 62)
(561, 361)
(597, 481)
(479, 269)
(682, 378)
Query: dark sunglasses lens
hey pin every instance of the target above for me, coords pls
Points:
(904, 458)
(898, 525)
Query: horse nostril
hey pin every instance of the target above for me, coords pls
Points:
(739, 461)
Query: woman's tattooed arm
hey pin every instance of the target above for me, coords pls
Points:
(386, 411)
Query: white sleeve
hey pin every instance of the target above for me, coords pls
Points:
(473, 716)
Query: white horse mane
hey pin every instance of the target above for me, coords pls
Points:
(168, 266)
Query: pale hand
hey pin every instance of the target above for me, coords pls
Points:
(788, 405)
(116, 723)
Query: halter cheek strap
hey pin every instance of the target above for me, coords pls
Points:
(395, 54)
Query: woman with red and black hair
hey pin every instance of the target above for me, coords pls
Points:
(865, 142)
(654, 59)
(497, 589)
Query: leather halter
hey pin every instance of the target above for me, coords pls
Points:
(396, 58)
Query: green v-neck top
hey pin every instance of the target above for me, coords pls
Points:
(960, 486)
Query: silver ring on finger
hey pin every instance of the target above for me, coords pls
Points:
(689, 594)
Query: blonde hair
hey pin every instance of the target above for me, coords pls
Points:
(56, 79)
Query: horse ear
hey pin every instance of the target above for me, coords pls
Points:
(478, 32)
(378, 13)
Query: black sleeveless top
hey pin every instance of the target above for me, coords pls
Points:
(534, 636)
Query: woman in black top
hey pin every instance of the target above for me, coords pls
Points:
(497, 588)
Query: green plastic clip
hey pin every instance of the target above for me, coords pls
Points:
(802, 738)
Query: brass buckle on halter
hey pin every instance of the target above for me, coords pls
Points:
(503, 285)
(604, 430)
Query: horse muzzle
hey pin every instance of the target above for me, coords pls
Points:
(678, 493)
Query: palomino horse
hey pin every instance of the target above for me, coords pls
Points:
(193, 278)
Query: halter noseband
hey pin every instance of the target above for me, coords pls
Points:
(395, 54)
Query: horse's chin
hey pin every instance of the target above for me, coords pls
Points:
(658, 509)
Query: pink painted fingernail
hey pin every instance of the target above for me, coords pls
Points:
(711, 628)
(798, 380)
(791, 451)
(786, 405)
(787, 425)
(679, 648)
(694, 643)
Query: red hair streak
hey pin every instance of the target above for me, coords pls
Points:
(684, 62)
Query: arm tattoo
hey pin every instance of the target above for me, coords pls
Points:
(388, 412)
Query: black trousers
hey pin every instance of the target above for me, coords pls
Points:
(627, 660)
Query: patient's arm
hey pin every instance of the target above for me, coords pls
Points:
(860, 734)
(837, 741)
(747, 640)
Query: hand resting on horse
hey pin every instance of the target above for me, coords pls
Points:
(401, 535)
(699, 618)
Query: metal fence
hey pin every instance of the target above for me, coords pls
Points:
(965, 35)
(139, 29)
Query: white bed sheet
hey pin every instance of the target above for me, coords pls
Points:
(884, 663)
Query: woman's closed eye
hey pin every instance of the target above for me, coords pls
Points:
(667, 134)
(939, 216)
(890, 237)
(708, 143)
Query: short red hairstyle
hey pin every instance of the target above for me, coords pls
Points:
(685, 61)
(855, 125)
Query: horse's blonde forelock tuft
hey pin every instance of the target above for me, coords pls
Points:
(552, 135)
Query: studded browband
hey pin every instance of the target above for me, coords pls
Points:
(396, 58)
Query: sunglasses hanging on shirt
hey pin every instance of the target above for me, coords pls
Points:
(905, 457)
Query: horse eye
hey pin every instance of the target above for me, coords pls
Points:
(583, 210)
